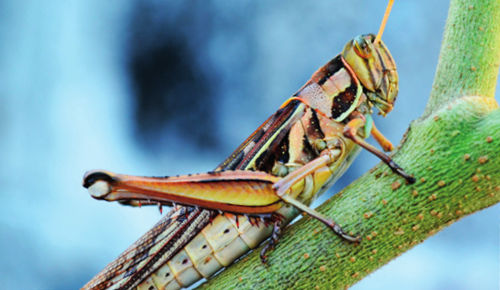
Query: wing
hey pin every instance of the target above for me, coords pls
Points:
(152, 250)
(261, 144)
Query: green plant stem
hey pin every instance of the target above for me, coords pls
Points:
(452, 150)
(391, 216)
(470, 52)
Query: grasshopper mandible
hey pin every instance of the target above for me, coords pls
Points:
(295, 155)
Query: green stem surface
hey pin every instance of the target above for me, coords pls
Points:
(453, 151)
(470, 52)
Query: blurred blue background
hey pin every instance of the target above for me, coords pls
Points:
(153, 88)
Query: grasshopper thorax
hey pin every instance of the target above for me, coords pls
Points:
(375, 68)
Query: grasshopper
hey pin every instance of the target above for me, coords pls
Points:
(294, 156)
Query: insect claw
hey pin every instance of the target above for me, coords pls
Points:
(160, 208)
(410, 179)
(263, 256)
(275, 236)
(400, 171)
(340, 232)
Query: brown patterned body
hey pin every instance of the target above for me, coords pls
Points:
(192, 243)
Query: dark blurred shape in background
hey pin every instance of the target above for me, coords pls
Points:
(172, 89)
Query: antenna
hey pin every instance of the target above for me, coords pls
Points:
(384, 21)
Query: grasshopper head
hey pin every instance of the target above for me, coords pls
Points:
(373, 65)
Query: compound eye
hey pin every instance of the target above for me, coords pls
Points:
(361, 48)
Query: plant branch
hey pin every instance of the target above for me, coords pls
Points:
(452, 150)
(470, 52)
